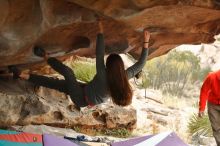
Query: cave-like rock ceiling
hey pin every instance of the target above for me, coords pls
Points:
(66, 27)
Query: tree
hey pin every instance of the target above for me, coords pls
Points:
(172, 72)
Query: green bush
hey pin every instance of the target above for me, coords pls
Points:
(199, 126)
(145, 81)
(84, 71)
(122, 132)
(172, 72)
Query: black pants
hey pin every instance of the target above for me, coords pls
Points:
(69, 86)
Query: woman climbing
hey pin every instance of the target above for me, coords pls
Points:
(110, 79)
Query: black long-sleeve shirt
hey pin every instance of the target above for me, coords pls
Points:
(96, 90)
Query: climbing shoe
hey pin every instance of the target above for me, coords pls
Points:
(16, 72)
(38, 51)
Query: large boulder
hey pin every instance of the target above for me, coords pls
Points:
(69, 27)
(23, 104)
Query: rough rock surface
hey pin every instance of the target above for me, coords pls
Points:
(21, 106)
(65, 27)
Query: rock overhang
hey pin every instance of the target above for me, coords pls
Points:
(69, 27)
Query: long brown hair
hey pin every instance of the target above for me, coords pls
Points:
(118, 83)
